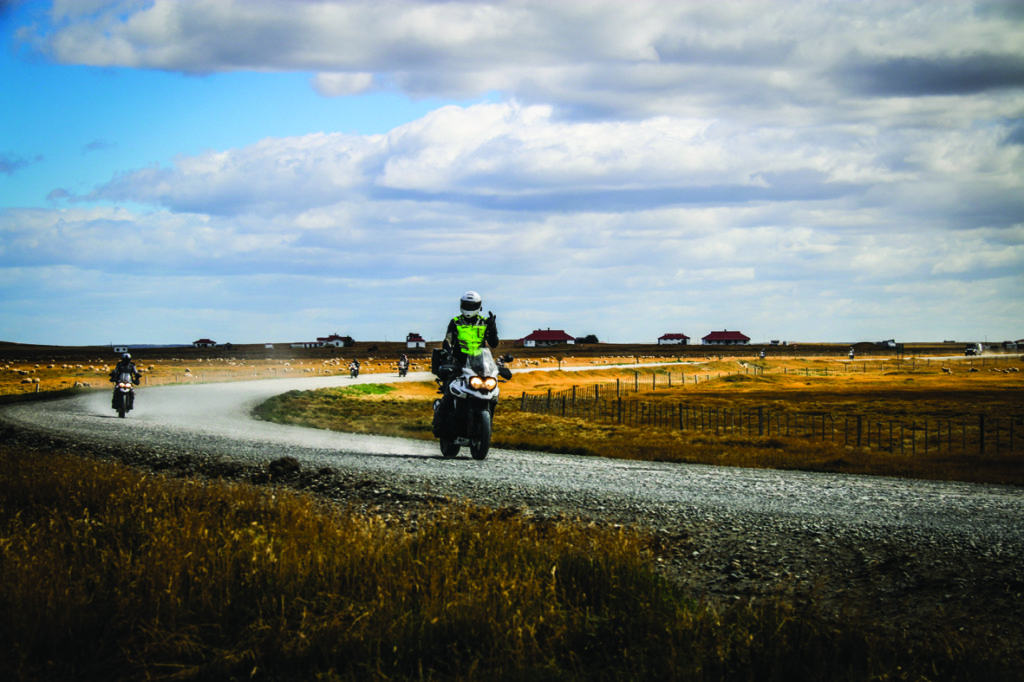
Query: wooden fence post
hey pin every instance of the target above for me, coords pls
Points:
(981, 435)
(760, 421)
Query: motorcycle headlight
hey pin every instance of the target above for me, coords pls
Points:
(490, 383)
(476, 383)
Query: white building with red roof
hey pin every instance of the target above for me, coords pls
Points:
(726, 338)
(546, 337)
(673, 340)
(414, 340)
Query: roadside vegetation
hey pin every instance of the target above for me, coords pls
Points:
(110, 573)
(113, 573)
(821, 386)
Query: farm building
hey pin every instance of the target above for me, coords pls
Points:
(335, 340)
(673, 340)
(204, 343)
(324, 341)
(546, 337)
(726, 338)
(414, 340)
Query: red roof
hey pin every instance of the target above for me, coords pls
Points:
(548, 335)
(672, 337)
(726, 336)
(413, 336)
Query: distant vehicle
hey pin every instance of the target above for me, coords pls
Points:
(974, 349)
(124, 393)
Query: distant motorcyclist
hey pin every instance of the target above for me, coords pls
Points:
(466, 334)
(403, 364)
(124, 366)
(353, 368)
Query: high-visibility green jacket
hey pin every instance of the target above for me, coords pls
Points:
(467, 335)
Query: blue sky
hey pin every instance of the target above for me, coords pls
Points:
(278, 170)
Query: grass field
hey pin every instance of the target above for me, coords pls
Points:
(115, 574)
(877, 391)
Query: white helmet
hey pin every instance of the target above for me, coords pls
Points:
(470, 304)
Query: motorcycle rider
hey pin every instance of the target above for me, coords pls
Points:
(403, 362)
(354, 366)
(124, 365)
(466, 334)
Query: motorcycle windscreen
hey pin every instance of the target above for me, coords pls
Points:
(483, 364)
(124, 378)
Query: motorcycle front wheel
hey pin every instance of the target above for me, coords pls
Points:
(480, 438)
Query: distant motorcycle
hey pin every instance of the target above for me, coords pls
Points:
(474, 392)
(403, 367)
(124, 394)
(353, 370)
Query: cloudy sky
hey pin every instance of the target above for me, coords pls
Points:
(278, 170)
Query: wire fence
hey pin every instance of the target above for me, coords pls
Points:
(971, 434)
(964, 434)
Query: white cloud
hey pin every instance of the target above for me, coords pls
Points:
(343, 84)
(782, 163)
(645, 57)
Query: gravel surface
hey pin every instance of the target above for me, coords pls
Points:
(909, 555)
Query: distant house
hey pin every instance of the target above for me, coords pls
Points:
(414, 340)
(546, 337)
(204, 343)
(673, 340)
(324, 341)
(335, 340)
(726, 338)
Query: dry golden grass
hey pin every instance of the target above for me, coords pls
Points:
(117, 575)
(912, 392)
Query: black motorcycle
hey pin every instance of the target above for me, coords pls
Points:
(124, 393)
(474, 395)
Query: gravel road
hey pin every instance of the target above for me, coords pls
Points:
(914, 554)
